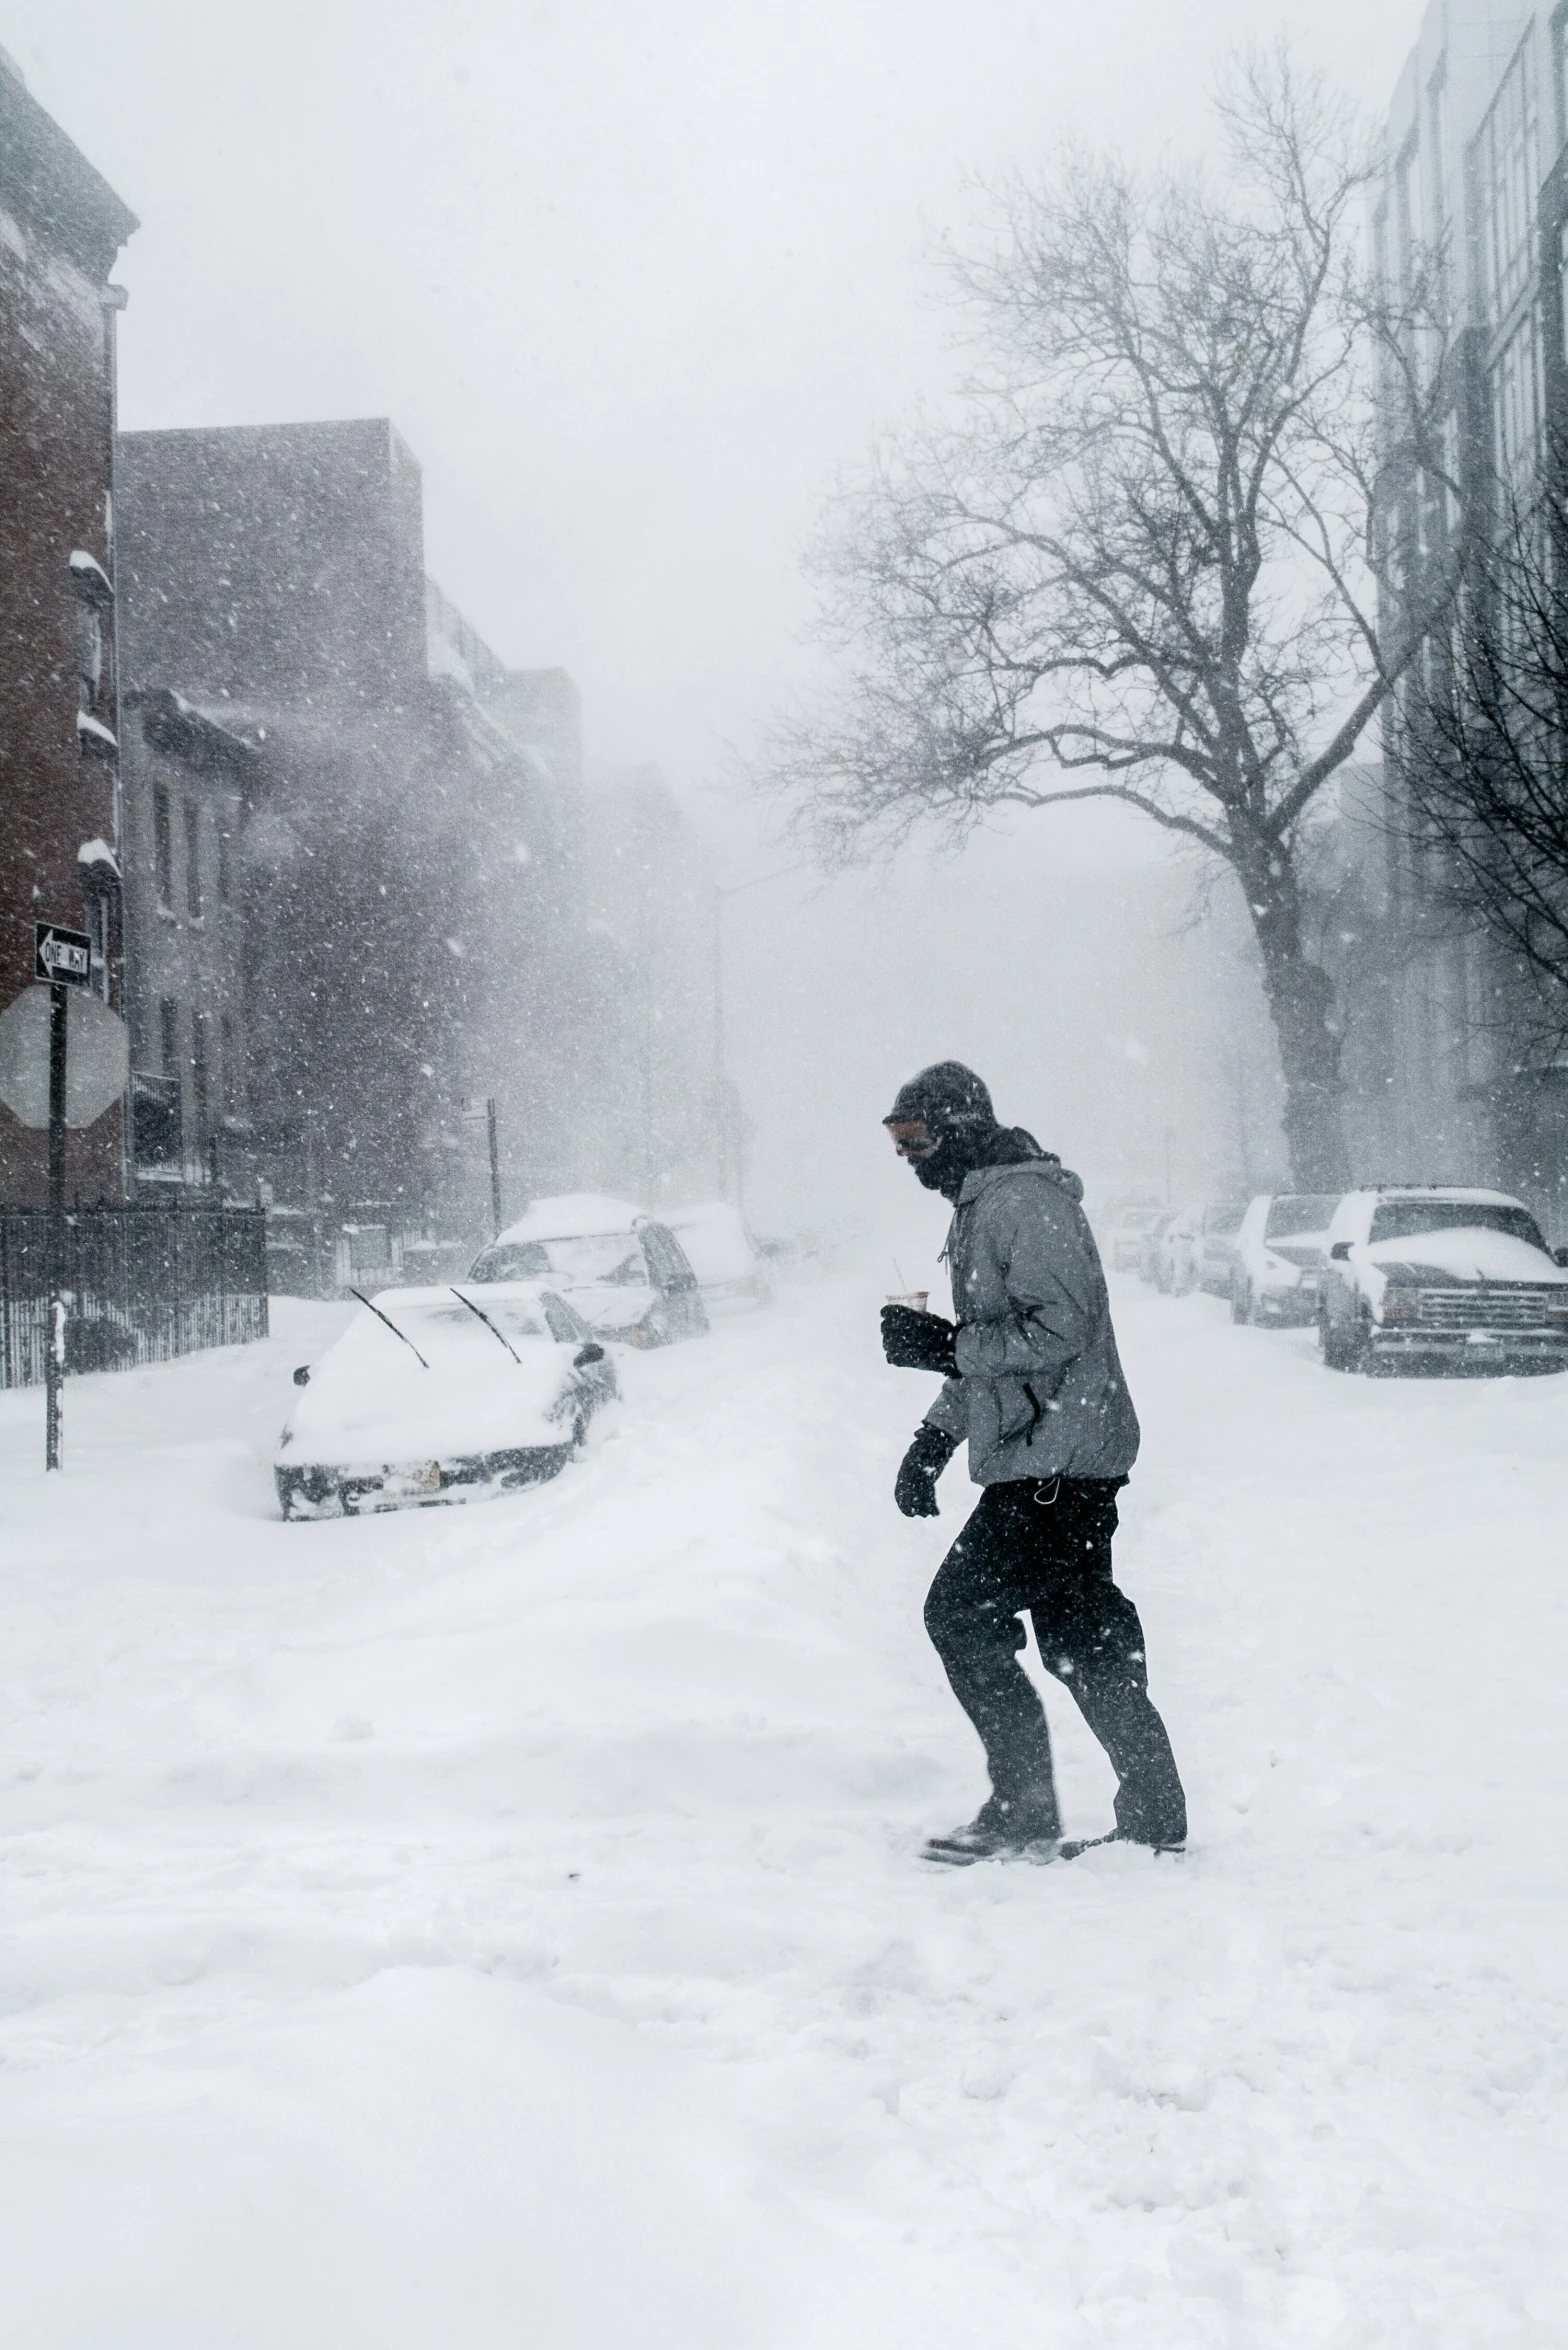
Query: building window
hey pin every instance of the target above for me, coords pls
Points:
(163, 848)
(1560, 74)
(156, 1139)
(89, 655)
(94, 685)
(1404, 218)
(228, 1080)
(1505, 176)
(193, 860)
(1516, 404)
(169, 1036)
(225, 864)
(1437, 147)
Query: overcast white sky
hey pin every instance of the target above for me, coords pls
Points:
(632, 276)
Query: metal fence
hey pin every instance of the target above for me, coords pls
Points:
(142, 1284)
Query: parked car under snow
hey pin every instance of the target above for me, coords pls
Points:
(1197, 1248)
(1130, 1229)
(624, 1272)
(1281, 1250)
(1444, 1278)
(1214, 1245)
(429, 1396)
(729, 1268)
(1151, 1251)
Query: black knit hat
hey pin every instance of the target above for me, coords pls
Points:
(948, 1097)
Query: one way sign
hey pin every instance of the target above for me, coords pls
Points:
(62, 955)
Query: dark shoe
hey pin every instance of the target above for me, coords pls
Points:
(999, 1831)
(1076, 1844)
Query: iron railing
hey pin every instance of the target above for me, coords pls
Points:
(142, 1284)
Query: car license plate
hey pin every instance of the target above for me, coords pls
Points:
(417, 1477)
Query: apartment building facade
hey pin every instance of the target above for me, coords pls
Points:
(1472, 201)
(61, 226)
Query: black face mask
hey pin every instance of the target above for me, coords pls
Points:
(963, 1149)
(955, 1156)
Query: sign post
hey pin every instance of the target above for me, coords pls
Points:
(54, 1361)
(64, 1059)
(63, 959)
(473, 1111)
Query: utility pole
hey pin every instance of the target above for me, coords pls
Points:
(471, 1111)
(495, 1167)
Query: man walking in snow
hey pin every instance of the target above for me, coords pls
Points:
(1033, 1381)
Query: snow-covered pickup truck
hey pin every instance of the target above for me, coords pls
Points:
(1439, 1276)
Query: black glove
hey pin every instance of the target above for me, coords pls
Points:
(914, 1489)
(919, 1342)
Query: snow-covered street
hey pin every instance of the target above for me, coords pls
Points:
(503, 1924)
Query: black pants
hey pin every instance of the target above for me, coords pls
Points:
(1045, 1549)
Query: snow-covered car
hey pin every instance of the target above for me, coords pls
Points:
(1280, 1251)
(1196, 1248)
(1214, 1244)
(729, 1267)
(627, 1275)
(1175, 1252)
(1129, 1231)
(1150, 1261)
(431, 1395)
(1438, 1275)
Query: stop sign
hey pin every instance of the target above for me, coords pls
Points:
(97, 1057)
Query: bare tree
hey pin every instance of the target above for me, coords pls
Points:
(1147, 547)
(1479, 744)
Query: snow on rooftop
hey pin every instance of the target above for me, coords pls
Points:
(1465, 1194)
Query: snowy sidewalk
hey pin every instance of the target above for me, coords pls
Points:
(502, 1924)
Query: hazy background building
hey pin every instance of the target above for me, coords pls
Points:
(362, 861)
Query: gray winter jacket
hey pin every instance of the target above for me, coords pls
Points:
(1040, 1391)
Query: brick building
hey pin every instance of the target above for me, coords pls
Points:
(61, 226)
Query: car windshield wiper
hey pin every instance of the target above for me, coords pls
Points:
(392, 1326)
(489, 1325)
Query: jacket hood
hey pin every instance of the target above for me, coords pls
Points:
(1038, 1170)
